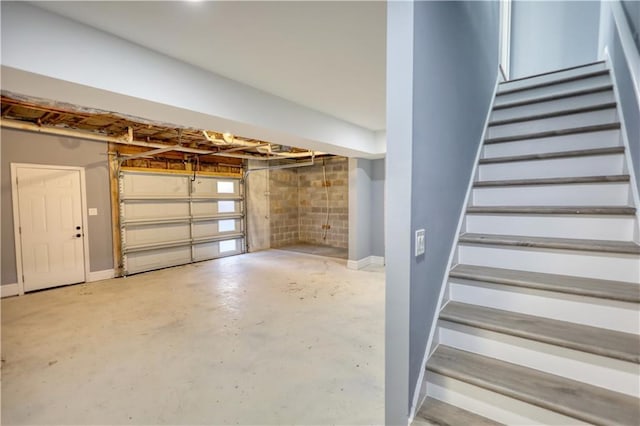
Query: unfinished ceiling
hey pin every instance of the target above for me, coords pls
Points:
(139, 138)
(326, 55)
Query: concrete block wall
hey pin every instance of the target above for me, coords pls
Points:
(313, 205)
(283, 210)
(298, 206)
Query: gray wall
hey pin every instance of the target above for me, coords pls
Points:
(26, 147)
(632, 11)
(548, 35)
(435, 118)
(359, 208)
(622, 75)
(366, 208)
(377, 207)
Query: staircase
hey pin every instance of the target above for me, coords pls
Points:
(540, 322)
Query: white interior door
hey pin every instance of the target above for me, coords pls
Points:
(50, 221)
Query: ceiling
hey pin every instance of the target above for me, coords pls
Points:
(326, 55)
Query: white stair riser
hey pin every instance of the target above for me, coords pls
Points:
(592, 118)
(595, 312)
(617, 228)
(592, 194)
(611, 374)
(492, 405)
(599, 165)
(563, 104)
(509, 85)
(609, 266)
(592, 140)
(556, 89)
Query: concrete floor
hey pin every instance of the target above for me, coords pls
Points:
(317, 249)
(265, 338)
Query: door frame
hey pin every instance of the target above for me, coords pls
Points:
(16, 215)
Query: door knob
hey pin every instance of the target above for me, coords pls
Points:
(78, 228)
(78, 235)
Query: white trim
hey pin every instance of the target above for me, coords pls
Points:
(101, 275)
(364, 262)
(377, 260)
(16, 215)
(417, 401)
(625, 142)
(8, 290)
(505, 37)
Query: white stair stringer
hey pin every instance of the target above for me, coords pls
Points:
(548, 281)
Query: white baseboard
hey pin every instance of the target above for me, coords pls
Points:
(364, 262)
(9, 290)
(100, 275)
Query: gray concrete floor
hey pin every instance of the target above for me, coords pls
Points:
(264, 338)
(317, 249)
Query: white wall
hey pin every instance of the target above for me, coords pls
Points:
(48, 56)
(549, 35)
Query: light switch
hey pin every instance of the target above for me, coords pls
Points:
(419, 242)
(93, 211)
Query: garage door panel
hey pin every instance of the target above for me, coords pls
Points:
(155, 185)
(155, 210)
(211, 208)
(155, 259)
(171, 220)
(211, 250)
(216, 227)
(219, 186)
(155, 234)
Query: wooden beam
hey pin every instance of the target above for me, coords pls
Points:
(115, 211)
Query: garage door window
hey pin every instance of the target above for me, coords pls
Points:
(225, 187)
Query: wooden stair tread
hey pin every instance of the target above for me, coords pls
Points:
(552, 181)
(625, 247)
(554, 97)
(551, 155)
(603, 289)
(569, 397)
(581, 110)
(553, 72)
(551, 133)
(436, 412)
(554, 82)
(598, 341)
(569, 210)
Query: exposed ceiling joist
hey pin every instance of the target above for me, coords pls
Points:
(49, 117)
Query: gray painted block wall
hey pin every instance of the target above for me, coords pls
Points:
(442, 67)
(26, 147)
(549, 35)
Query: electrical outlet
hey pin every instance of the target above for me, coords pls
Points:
(420, 242)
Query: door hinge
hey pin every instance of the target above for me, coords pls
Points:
(20, 230)
(23, 278)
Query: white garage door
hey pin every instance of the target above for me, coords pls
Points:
(169, 219)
